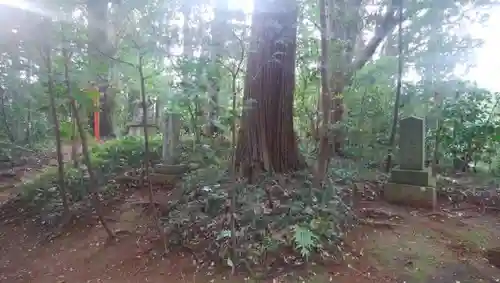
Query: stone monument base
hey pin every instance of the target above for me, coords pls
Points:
(422, 178)
(415, 196)
(138, 129)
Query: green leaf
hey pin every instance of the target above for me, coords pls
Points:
(224, 234)
(65, 129)
(93, 94)
(305, 240)
(86, 99)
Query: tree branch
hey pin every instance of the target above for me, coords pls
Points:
(115, 58)
(384, 27)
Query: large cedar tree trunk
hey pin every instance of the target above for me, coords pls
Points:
(267, 141)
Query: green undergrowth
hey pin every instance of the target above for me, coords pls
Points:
(273, 215)
(276, 213)
(108, 159)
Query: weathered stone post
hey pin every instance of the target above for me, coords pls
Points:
(171, 135)
(136, 126)
(411, 183)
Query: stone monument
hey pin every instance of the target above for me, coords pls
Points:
(171, 136)
(136, 127)
(411, 183)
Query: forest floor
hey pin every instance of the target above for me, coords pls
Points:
(30, 169)
(398, 245)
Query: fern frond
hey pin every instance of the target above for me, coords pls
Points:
(305, 240)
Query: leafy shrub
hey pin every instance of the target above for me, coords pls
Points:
(206, 153)
(301, 216)
(108, 159)
(115, 156)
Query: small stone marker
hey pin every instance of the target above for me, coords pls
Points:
(411, 183)
(171, 135)
(412, 143)
(136, 126)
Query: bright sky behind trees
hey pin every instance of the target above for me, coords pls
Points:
(486, 72)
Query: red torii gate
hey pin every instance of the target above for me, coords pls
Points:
(94, 88)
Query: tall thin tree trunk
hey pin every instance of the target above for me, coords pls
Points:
(93, 185)
(214, 70)
(5, 119)
(28, 123)
(28, 106)
(147, 160)
(74, 140)
(324, 146)
(344, 23)
(55, 120)
(343, 20)
(395, 117)
(437, 143)
(187, 53)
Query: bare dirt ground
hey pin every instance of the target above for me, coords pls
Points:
(10, 177)
(395, 244)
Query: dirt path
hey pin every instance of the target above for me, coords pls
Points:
(9, 179)
(404, 246)
(84, 254)
(431, 247)
(417, 247)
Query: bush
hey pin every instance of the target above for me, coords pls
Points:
(108, 160)
(302, 217)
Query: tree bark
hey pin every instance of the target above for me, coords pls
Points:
(74, 152)
(324, 144)
(395, 116)
(344, 25)
(57, 131)
(5, 120)
(93, 186)
(218, 39)
(99, 54)
(267, 141)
